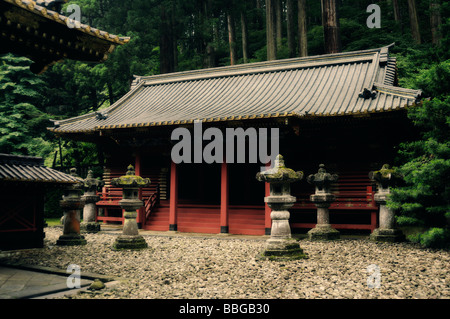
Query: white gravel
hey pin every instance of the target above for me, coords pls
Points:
(221, 267)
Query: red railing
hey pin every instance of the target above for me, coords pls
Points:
(110, 197)
(151, 202)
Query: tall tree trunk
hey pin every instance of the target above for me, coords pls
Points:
(290, 21)
(201, 43)
(330, 22)
(244, 37)
(259, 21)
(231, 38)
(61, 157)
(270, 30)
(435, 21)
(415, 31)
(397, 14)
(213, 39)
(166, 43)
(279, 22)
(210, 56)
(302, 32)
(173, 26)
(94, 98)
(110, 92)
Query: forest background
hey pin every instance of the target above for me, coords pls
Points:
(178, 35)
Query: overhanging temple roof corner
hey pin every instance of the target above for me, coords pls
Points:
(348, 83)
(33, 29)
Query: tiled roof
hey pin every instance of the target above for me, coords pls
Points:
(16, 168)
(328, 85)
(45, 36)
(35, 7)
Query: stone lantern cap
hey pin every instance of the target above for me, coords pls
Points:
(386, 177)
(90, 183)
(322, 180)
(76, 187)
(71, 195)
(130, 180)
(279, 174)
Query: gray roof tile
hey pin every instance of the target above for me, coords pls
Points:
(17, 168)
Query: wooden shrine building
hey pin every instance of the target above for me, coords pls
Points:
(24, 181)
(343, 110)
(36, 30)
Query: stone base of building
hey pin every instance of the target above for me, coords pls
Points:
(90, 227)
(387, 235)
(323, 232)
(283, 249)
(71, 240)
(130, 242)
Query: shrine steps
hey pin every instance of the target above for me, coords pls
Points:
(158, 219)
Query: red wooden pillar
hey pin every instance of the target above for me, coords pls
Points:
(138, 171)
(267, 210)
(173, 197)
(224, 198)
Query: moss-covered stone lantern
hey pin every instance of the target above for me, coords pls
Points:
(90, 197)
(280, 245)
(322, 198)
(130, 184)
(385, 178)
(71, 204)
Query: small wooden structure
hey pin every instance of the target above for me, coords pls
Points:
(24, 181)
(34, 30)
(342, 110)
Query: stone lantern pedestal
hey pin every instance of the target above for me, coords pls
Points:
(280, 245)
(71, 204)
(387, 232)
(89, 199)
(130, 183)
(322, 199)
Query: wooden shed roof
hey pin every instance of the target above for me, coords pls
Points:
(17, 168)
(45, 36)
(327, 85)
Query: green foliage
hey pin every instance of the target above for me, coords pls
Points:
(425, 200)
(433, 238)
(22, 121)
(80, 154)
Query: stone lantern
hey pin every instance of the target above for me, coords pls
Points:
(322, 198)
(280, 245)
(71, 204)
(130, 184)
(89, 199)
(386, 178)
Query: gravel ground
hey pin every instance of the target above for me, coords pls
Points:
(219, 267)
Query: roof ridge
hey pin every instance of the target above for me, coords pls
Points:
(258, 67)
(23, 159)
